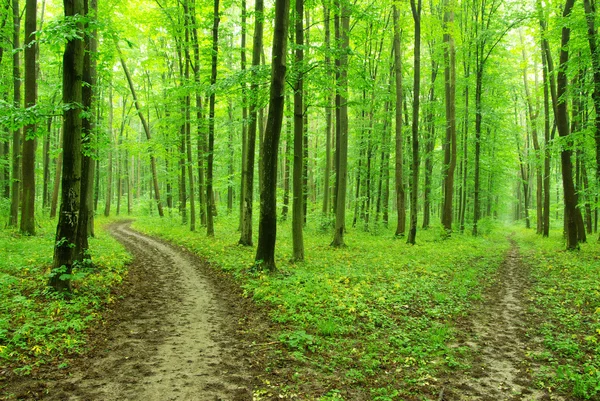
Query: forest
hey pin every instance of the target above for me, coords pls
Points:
(316, 200)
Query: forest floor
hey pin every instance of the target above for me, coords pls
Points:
(500, 332)
(179, 333)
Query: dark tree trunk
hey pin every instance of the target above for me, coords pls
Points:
(562, 123)
(399, 176)
(66, 231)
(415, 6)
(210, 204)
(16, 139)
(46, 166)
(246, 234)
(450, 154)
(342, 146)
(299, 137)
(267, 228)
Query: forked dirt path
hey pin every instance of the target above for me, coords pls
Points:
(500, 332)
(178, 334)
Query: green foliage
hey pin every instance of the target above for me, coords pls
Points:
(378, 311)
(566, 296)
(36, 324)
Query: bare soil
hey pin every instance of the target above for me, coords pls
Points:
(500, 333)
(181, 332)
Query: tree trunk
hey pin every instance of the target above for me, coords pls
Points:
(562, 123)
(299, 146)
(450, 154)
(16, 139)
(415, 6)
(328, 112)
(244, 115)
(146, 130)
(46, 165)
(109, 180)
(399, 176)
(66, 230)
(342, 147)
(210, 204)
(267, 228)
(246, 234)
(86, 208)
(286, 165)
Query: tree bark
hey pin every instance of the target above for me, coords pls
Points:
(16, 139)
(299, 146)
(66, 230)
(246, 234)
(328, 112)
(399, 176)
(210, 229)
(450, 154)
(562, 123)
(415, 6)
(342, 146)
(109, 180)
(267, 228)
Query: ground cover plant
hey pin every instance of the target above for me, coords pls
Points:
(566, 298)
(373, 319)
(38, 326)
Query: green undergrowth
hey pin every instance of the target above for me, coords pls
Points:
(38, 326)
(373, 319)
(566, 295)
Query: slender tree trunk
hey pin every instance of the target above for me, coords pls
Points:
(547, 67)
(450, 154)
(299, 146)
(210, 205)
(109, 179)
(66, 231)
(230, 170)
(429, 147)
(328, 111)
(246, 234)
(46, 165)
(399, 176)
(342, 146)
(415, 6)
(244, 115)
(286, 164)
(267, 228)
(146, 130)
(16, 139)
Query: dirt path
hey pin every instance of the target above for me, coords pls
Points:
(500, 333)
(178, 334)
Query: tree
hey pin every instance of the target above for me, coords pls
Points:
(267, 227)
(248, 189)
(15, 188)
(342, 127)
(298, 200)
(450, 90)
(66, 230)
(415, 7)
(399, 176)
(210, 229)
(562, 123)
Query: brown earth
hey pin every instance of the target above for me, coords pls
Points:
(500, 332)
(181, 332)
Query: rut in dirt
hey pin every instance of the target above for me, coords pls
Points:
(174, 338)
(500, 334)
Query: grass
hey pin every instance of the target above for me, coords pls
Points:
(38, 326)
(566, 296)
(374, 318)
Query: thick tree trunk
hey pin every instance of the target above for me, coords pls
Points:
(450, 155)
(246, 234)
(267, 228)
(66, 231)
(399, 176)
(30, 140)
(299, 146)
(210, 204)
(342, 146)
(562, 123)
(86, 211)
(415, 6)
